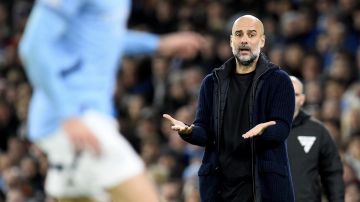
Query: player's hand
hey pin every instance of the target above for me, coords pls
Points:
(258, 129)
(178, 126)
(181, 44)
(81, 136)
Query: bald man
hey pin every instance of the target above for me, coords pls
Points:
(246, 91)
(314, 159)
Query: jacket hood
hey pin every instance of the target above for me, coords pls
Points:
(300, 118)
(263, 64)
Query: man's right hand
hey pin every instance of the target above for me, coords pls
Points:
(178, 126)
(81, 136)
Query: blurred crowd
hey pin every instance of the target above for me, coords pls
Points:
(316, 40)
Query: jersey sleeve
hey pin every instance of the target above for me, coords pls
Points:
(65, 8)
(137, 42)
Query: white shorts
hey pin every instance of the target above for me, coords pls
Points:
(72, 174)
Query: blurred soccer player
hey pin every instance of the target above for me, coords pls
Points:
(71, 50)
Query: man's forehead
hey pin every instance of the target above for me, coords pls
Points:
(245, 28)
(246, 24)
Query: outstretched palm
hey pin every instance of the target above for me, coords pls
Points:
(178, 126)
(258, 129)
(182, 128)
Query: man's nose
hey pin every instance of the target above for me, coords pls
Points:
(243, 43)
(244, 39)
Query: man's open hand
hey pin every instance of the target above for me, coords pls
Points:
(178, 126)
(81, 136)
(258, 129)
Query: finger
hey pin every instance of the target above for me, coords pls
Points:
(191, 127)
(269, 123)
(200, 42)
(188, 130)
(170, 118)
(78, 144)
(246, 135)
(190, 52)
(94, 144)
(251, 133)
(197, 42)
(194, 40)
(257, 130)
(199, 38)
(86, 141)
(178, 128)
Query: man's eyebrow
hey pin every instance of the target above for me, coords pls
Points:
(253, 30)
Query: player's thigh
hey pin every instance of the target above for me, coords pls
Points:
(119, 161)
(80, 199)
(135, 189)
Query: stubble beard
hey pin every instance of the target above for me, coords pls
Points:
(245, 60)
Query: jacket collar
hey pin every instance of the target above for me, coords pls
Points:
(225, 70)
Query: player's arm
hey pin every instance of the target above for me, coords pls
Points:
(44, 58)
(137, 42)
(178, 44)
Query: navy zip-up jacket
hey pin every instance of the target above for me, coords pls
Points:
(272, 99)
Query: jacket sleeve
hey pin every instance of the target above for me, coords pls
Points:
(281, 107)
(202, 128)
(330, 169)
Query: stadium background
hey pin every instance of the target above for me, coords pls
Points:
(317, 41)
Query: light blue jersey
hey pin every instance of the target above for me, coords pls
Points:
(71, 50)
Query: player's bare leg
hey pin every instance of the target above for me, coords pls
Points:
(135, 189)
(81, 199)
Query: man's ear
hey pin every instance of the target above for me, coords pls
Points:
(262, 41)
(302, 99)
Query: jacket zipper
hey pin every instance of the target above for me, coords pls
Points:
(218, 115)
(251, 140)
(252, 144)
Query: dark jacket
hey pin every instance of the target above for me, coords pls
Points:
(314, 161)
(272, 98)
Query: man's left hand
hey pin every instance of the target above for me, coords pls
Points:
(258, 129)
